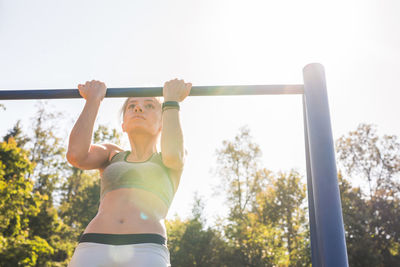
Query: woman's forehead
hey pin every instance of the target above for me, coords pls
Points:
(155, 101)
(143, 99)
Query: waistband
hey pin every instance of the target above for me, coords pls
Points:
(122, 239)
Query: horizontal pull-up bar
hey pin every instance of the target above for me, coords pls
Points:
(157, 91)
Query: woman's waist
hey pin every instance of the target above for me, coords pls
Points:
(128, 216)
(133, 203)
(125, 224)
(123, 239)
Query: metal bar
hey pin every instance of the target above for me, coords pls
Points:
(156, 91)
(315, 259)
(328, 210)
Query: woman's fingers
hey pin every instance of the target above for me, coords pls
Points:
(93, 89)
(181, 81)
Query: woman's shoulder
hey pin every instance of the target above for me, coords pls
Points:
(113, 150)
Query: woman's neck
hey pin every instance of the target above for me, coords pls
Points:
(142, 147)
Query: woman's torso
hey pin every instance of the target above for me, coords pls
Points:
(131, 210)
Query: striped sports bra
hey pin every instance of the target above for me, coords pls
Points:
(151, 175)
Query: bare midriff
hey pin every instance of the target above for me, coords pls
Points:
(129, 211)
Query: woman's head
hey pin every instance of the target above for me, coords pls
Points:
(142, 114)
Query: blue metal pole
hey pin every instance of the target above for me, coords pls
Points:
(315, 259)
(328, 210)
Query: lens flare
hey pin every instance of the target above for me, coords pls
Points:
(143, 215)
(121, 253)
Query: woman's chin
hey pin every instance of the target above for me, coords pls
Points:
(139, 130)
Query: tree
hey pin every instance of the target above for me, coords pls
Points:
(282, 205)
(238, 162)
(16, 133)
(190, 244)
(105, 134)
(266, 223)
(18, 246)
(360, 245)
(47, 152)
(377, 160)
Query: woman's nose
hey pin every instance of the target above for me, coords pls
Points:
(138, 108)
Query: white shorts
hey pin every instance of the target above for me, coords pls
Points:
(92, 254)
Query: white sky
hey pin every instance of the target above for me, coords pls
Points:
(59, 44)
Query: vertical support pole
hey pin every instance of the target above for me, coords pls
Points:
(327, 206)
(315, 259)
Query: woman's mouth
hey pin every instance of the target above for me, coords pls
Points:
(138, 117)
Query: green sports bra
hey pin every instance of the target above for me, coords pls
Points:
(151, 175)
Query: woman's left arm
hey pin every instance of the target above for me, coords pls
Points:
(172, 147)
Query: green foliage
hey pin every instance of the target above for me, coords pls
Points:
(192, 245)
(282, 205)
(16, 133)
(372, 218)
(360, 246)
(18, 247)
(47, 153)
(377, 160)
(104, 134)
(266, 224)
(80, 199)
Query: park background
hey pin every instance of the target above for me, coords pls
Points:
(59, 44)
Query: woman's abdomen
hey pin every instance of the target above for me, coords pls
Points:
(129, 210)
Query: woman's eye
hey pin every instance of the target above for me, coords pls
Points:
(148, 105)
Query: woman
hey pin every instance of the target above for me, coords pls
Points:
(137, 186)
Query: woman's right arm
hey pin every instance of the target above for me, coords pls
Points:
(81, 153)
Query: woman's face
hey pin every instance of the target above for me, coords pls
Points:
(142, 114)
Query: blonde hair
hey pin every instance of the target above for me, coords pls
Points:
(123, 108)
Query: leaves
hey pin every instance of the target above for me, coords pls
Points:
(371, 219)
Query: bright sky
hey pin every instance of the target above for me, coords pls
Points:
(47, 44)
